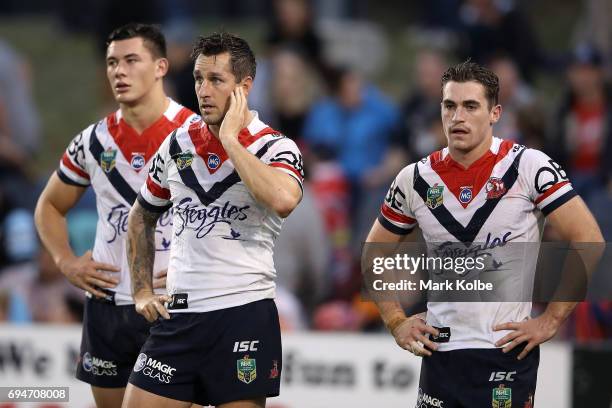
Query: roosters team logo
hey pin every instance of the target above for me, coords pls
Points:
(495, 188)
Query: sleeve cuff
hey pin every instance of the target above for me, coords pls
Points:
(68, 180)
(559, 202)
(393, 228)
(150, 207)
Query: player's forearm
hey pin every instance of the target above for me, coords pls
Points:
(391, 313)
(141, 248)
(558, 312)
(53, 231)
(576, 225)
(269, 186)
(587, 247)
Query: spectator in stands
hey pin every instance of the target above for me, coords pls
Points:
(331, 192)
(49, 298)
(292, 26)
(302, 254)
(357, 121)
(294, 87)
(179, 81)
(438, 14)
(532, 124)
(18, 242)
(19, 126)
(421, 105)
(491, 27)
(514, 95)
(581, 133)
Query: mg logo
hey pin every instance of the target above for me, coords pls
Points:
(465, 195)
(213, 161)
(138, 161)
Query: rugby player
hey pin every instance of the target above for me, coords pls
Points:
(111, 155)
(479, 188)
(230, 180)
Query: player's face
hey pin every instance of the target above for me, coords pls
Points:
(466, 116)
(214, 83)
(132, 70)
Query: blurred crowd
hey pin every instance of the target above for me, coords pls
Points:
(314, 84)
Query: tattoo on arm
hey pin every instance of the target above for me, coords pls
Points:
(141, 247)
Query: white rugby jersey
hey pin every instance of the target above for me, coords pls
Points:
(112, 157)
(222, 241)
(502, 197)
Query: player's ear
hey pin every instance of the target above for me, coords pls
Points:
(246, 84)
(495, 114)
(161, 67)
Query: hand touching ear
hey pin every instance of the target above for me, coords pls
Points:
(236, 115)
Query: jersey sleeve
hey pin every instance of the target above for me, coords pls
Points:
(154, 194)
(186, 118)
(72, 167)
(395, 213)
(548, 184)
(285, 156)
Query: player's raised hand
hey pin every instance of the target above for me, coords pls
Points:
(411, 335)
(87, 274)
(533, 331)
(234, 119)
(150, 305)
(159, 279)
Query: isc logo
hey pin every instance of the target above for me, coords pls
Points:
(502, 376)
(241, 346)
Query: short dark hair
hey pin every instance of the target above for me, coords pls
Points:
(151, 35)
(242, 59)
(470, 71)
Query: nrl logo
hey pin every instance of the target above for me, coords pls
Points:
(183, 160)
(502, 397)
(108, 160)
(434, 196)
(247, 369)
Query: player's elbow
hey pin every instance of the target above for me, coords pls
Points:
(598, 237)
(589, 239)
(598, 240)
(285, 202)
(589, 232)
